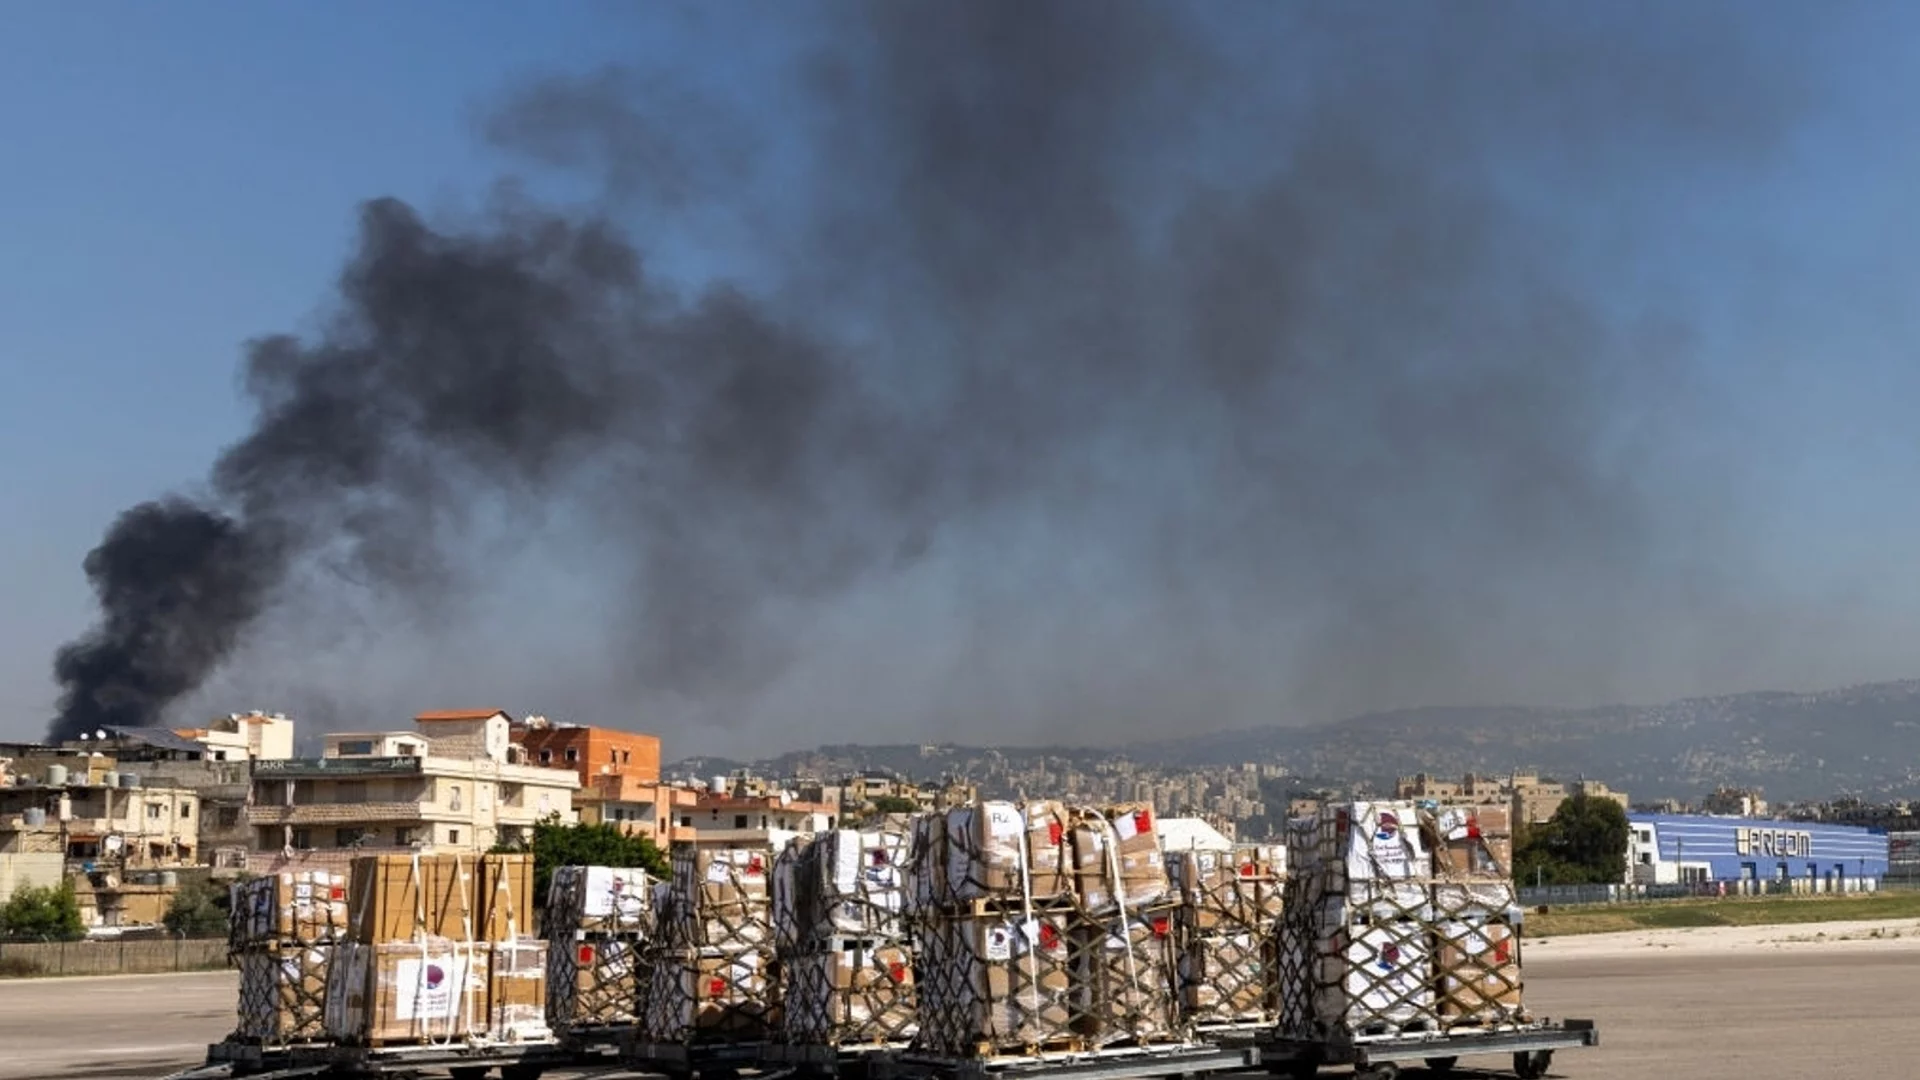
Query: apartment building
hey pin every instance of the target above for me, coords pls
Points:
(249, 736)
(724, 819)
(589, 751)
(652, 810)
(454, 783)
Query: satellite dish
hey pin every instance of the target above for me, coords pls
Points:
(84, 736)
(99, 734)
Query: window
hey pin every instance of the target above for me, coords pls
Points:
(626, 756)
(356, 748)
(453, 799)
(303, 838)
(613, 756)
(572, 755)
(229, 817)
(453, 836)
(739, 821)
(546, 757)
(156, 811)
(349, 836)
(350, 791)
(686, 821)
(403, 836)
(186, 811)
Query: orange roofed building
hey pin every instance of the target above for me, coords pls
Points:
(619, 775)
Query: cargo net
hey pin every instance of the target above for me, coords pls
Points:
(711, 995)
(283, 993)
(848, 993)
(717, 899)
(593, 982)
(1230, 906)
(843, 883)
(598, 901)
(1381, 938)
(303, 907)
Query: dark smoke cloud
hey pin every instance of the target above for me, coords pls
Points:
(1291, 318)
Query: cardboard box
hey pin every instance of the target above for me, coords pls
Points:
(1049, 840)
(517, 990)
(1479, 969)
(401, 897)
(1477, 842)
(927, 863)
(593, 982)
(989, 984)
(852, 992)
(503, 898)
(720, 898)
(698, 995)
(1117, 857)
(1123, 977)
(1227, 978)
(984, 851)
(402, 993)
(295, 906)
(598, 900)
(283, 993)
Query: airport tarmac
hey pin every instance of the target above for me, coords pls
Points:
(1784, 1003)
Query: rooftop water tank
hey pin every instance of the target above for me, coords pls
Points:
(110, 779)
(35, 815)
(129, 780)
(168, 879)
(56, 776)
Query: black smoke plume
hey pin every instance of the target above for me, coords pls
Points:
(1291, 330)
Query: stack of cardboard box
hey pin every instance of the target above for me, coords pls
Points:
(1040, 926)
(598, 920)
(1230, 905)
(440, 949)
(838, 900)
(1476, 913)
(711, 971)
(282, 932)
(1400, 919)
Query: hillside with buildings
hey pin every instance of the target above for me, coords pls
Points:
(1857, 741)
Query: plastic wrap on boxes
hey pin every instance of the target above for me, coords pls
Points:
(401, 993)
(594, 981)
(985, 846)
(289, 907)
(598, 900)
(840, 883)
(516, 995)
(698, 995)
(927, 862)
(849, 992)
(719, 899)
(1123, 973)
(990, 984)
(283, 993)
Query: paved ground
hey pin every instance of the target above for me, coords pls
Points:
(1779, 1012)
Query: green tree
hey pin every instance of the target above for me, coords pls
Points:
(894, 804)
(46, 912)
(554, 844)
(1585, 843)
(199, 909)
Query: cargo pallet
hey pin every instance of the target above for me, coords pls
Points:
(513, 1061)
(1381, 1059)
(1184, 1060)
(677, 1061)
(850, 1060)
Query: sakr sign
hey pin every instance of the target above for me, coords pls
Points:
(1793, 843)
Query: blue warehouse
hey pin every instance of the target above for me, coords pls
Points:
(1666, 849)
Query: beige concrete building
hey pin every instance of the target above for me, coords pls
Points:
(1533, 799)
(455, 783)
(250, 736)
(737, 820)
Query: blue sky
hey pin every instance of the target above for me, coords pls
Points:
(179, 178)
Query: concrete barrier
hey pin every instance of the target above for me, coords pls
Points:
(148, 956)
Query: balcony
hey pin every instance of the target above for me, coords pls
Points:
(335, 813)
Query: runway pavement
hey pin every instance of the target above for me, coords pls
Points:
(1770, 1012)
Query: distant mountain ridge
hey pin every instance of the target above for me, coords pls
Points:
(1859, 740)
